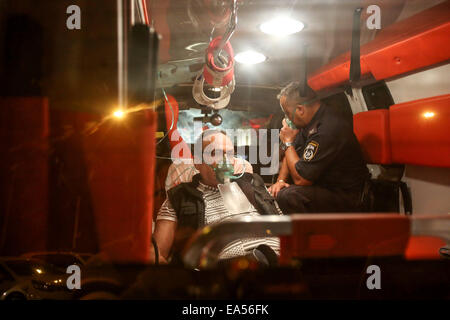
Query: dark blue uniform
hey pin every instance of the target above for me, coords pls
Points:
(331, 158)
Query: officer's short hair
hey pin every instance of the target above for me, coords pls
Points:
(292, 93)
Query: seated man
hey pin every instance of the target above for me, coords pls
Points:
(323, 160)
(193, 205)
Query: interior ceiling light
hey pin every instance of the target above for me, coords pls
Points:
(282, 26)
(250, 57)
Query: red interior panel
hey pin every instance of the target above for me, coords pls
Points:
(424, 247)
(408, 45)
(345, 235)
(372, 130)
(420, 132)
(334, 73)
(411, 44)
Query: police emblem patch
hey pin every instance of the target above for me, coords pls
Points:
(310, 151)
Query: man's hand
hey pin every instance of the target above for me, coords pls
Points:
(287, 134)
(275, 188)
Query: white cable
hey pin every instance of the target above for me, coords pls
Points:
(173, 117)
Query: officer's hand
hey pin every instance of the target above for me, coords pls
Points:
(275, 188)
(287, 134)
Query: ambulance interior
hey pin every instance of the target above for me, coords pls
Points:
(91, 115)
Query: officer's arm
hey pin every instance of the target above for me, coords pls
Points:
(164, 236)
(284, 171)
(292, 158)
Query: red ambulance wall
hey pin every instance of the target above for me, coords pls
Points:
(120, 158)
(23, 174)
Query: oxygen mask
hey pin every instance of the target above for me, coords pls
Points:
(234, 199)
(224, 171)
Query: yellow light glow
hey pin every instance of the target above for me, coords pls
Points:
(242, 264)
(39, 271)
(428, 115)
(119, 114)
(206, 230)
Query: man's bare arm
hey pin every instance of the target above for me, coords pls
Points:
(282, 178)
(288, 135)
(164, 236)
(284, 171)
(292, 158)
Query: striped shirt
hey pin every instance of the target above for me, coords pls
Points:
(215, 212)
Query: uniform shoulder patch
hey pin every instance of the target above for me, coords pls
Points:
(310, 151)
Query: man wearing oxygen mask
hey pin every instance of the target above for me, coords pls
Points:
(216, 193)
(323, 160)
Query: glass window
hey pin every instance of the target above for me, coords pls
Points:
(232, 119)
(59, 260)
(5, 275)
